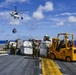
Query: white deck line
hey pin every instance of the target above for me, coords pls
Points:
(3, 54)
(40, 74)
(40, 65)
(58, 66)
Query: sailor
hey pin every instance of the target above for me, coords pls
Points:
(35, 49)
(7, 44)
(48, 43)
(13, 50)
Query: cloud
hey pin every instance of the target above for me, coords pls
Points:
(13, 1)
(7, 2)
(26, 17)
(14, 22)
(61, 23)
(72, 19)
(38, 14)
(66, 14)
(5, 15)
(48, 6)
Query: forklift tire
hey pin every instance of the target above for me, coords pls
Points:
(52, 56)
(68, 59)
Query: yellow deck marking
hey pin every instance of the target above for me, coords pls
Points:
(49, 67)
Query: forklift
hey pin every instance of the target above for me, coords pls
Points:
(63, 47)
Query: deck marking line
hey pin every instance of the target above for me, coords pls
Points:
(58, 65)
(3, 54)
(39, 58)
(49, 67)
(40, 65)
(40, 74)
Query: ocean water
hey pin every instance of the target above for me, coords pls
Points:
(4, 41)
(75, 42)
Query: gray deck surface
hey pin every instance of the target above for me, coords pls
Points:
(18, 65)
(67, 68)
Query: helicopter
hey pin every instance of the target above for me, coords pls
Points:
(16, 14)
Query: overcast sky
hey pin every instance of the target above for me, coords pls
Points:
(44, 17)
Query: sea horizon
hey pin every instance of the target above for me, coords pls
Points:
(4, 41)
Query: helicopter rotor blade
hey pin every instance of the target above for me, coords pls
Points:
(15, 8)
(6, 8)
(19, 11)
(23, 10)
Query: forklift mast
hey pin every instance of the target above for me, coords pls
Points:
(68, 38)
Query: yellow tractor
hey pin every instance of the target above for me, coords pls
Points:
(63, 47)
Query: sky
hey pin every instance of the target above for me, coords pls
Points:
(43, 17)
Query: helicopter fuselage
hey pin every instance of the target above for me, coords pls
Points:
(14, 14)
